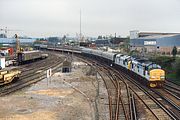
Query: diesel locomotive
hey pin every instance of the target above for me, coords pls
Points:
(144, 70)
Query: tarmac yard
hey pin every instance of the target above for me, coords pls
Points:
(65, 96)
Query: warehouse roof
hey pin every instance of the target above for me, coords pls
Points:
(158, 36)
(13, 40)
(156, 33)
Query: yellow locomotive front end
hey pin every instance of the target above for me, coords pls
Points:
(156, 78)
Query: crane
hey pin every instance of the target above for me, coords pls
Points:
(6, 30)
(17, 44)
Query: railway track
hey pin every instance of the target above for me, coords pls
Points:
(172, 89)
(121, 96)
(157, 100)
(172, 92)
(116, 104)
(166, 110)
(31, 76)
(134, 97)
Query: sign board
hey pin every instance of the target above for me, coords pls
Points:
(149, 42)
(49, 73)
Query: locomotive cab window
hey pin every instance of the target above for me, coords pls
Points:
(123, 62)
(132, 66)
(144, 70)
(138, 68)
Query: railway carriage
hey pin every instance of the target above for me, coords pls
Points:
(99, 55)
(66, 50)
(87, 52)
(28, 56)
(96, 54)
(109, 57)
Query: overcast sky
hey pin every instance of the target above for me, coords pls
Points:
(42, 18)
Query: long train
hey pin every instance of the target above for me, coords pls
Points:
(145, 71)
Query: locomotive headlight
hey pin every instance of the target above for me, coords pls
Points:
(162, 77)
(153, 77)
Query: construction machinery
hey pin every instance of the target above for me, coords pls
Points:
(7, 75)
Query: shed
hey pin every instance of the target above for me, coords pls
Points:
(66, 66)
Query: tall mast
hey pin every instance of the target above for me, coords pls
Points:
(80, 27)
(17, 44)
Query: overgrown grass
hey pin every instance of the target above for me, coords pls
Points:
(173, 77)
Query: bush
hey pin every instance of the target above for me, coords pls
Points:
(177, 67)
(164, 61)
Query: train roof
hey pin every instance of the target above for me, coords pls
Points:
(109, 53)
(119, 55)
(125, 57)
(144, 61)
(33, 51)
(135, 62)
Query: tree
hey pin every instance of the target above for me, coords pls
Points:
(177, 64)
(64, 38)
(104, 37)
(3, 36)
(174, 51)
(176, 68)
(100, 37)
(134, 53)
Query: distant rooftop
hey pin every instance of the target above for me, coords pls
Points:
(144, 34)
(158, 36)
(117, 40)
(13, 40)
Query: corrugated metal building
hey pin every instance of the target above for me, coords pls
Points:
(13, 40)
(157, 43)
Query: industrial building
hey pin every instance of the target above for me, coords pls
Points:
(149, 42)
(113, 42)
(12, 40)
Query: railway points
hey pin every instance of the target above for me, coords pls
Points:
(73, 92)
(162, 108)
(125, 98)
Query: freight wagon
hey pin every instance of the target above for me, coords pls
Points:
(29, 56)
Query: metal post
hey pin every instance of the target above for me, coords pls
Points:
(97, 97)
